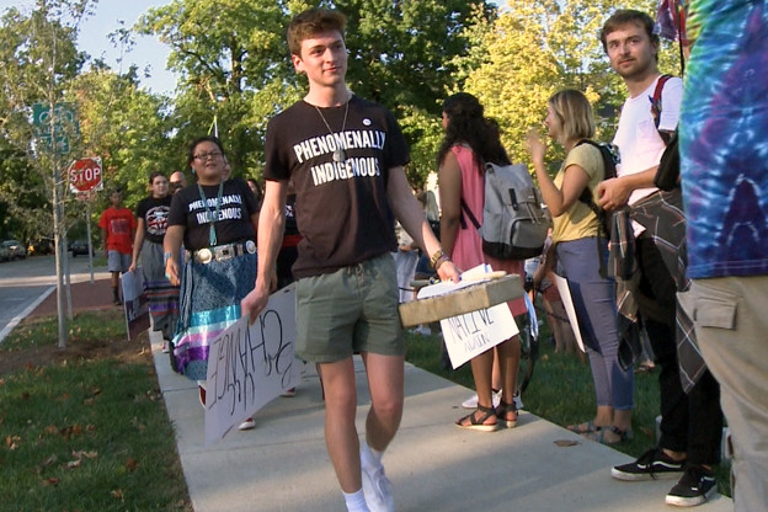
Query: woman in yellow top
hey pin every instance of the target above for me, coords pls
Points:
(575, 226)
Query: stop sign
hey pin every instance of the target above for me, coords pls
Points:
(85, 174)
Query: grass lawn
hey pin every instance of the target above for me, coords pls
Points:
(85, 428)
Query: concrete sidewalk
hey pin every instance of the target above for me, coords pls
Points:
(282, 465)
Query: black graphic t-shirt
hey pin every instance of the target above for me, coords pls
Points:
(234, 220)
(155, 212)
(342, 209)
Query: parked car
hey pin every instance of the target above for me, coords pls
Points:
(80, 247)
(17, 249)
(41, 246)
(5, 253)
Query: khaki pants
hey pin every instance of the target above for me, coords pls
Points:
(731, 321)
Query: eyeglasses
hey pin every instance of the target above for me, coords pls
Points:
(204, 156)
(175, 184)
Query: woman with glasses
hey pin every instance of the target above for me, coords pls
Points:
(216, 220)
(152, 222)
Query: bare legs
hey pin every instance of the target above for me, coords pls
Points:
(385, 381)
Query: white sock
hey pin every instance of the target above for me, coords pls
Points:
(355, 501)
(369, 457)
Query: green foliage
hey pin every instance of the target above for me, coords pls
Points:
(235, 70)
(537, 48)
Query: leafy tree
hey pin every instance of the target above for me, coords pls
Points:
(536, 48)
(234, 66)
(39, 58)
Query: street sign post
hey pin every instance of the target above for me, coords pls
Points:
(85, 175)
(55, 129)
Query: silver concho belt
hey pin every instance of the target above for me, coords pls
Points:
(224, 252)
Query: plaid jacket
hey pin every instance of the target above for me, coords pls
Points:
(661, 214)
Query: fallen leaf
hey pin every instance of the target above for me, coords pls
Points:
(73, 464)
(131, 464)
(566, 442)
(117, 494)
(83, 454)
(49, 461)
(52, 430)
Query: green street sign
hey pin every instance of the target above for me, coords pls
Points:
(59, 125)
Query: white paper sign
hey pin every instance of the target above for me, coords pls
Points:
(251, 365)
(471, 334)
(565, 296)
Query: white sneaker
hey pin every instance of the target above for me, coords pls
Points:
(377, 489)
(248, 424)
(518, 401)
(471, 402)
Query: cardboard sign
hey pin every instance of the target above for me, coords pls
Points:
(470, 334)
(251, 364)
(135, 303)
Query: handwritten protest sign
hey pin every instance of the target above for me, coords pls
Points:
(251, 365)
(565, 296)
(134, 303)
(471, 334)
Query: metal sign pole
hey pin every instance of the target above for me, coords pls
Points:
(88, 227)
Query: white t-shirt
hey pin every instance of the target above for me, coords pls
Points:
(640, 145)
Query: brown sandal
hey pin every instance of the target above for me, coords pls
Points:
(479, 424)
(502, 412)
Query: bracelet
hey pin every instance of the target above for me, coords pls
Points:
(442, 259)
(166, 257)
(438, 254)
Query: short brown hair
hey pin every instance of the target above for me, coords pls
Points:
(624, 17)
(311, 22)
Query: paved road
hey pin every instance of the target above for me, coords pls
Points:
(25, 282)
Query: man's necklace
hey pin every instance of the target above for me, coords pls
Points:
(212, 240)
(339, 155)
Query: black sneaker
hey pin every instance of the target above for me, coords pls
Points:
(651, 465)
(696, 486)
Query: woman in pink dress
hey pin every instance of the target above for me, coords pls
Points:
(471, 140)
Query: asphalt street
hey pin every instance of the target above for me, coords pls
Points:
(24, 283)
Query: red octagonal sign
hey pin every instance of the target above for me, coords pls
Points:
(85, 174)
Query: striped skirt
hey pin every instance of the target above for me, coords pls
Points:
(210, 302)
(162, 296)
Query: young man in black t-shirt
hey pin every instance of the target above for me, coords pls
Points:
(345, 156)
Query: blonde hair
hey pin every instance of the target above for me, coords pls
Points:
(575, 114)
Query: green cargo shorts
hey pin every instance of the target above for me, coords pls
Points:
(351, 310)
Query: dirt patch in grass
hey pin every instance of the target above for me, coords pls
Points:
(78, 349)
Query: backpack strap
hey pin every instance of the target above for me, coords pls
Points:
(465, 210)
(656, 106)
(587, 198)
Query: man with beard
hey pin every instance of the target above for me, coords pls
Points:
(691, 424)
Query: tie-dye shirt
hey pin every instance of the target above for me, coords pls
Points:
(724, 139)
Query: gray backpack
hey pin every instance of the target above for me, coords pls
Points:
(514, 224)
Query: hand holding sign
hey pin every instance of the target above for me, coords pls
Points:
(250, 365)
